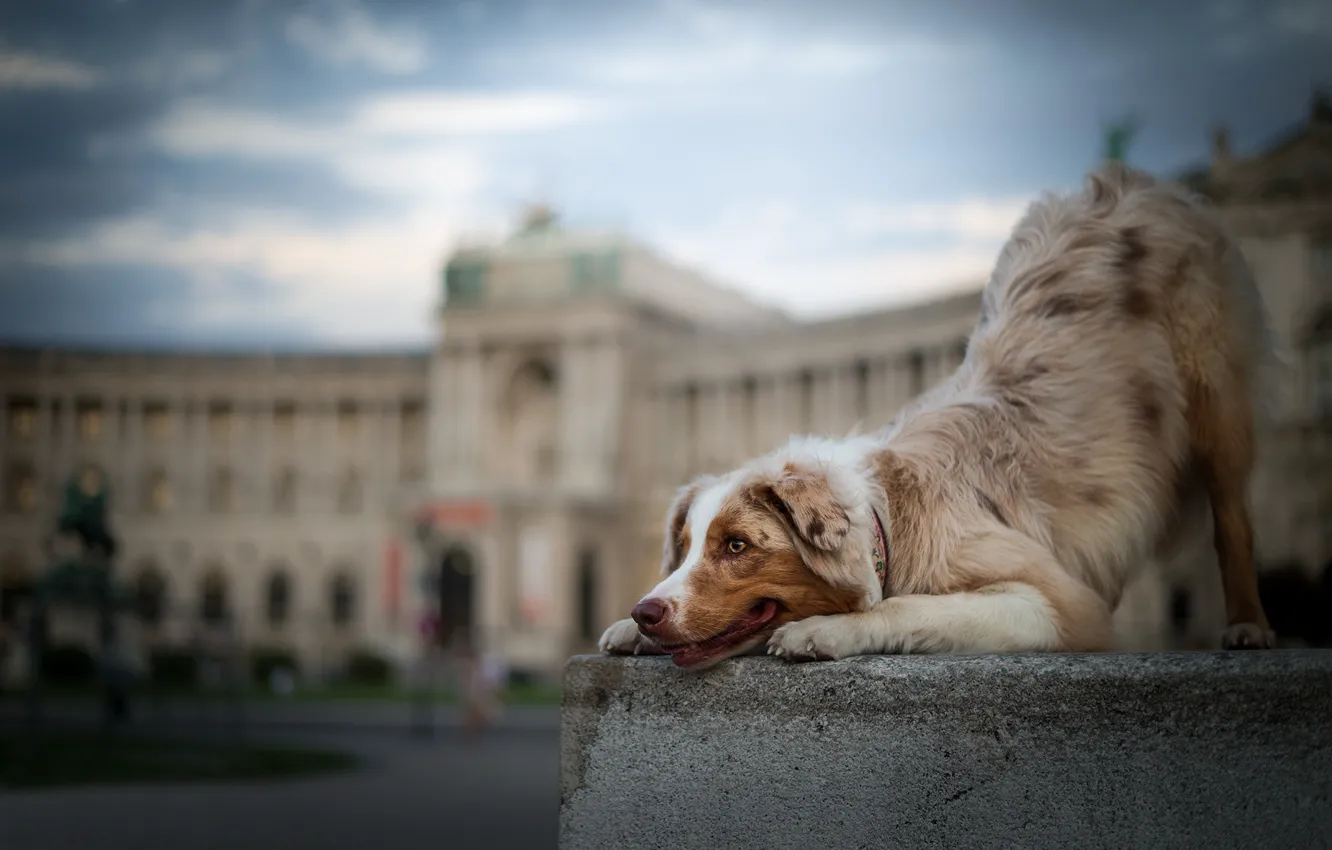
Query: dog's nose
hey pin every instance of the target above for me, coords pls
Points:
(648, 614)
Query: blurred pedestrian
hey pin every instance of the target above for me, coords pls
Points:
(483, 676)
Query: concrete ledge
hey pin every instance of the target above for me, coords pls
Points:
(1155, 750)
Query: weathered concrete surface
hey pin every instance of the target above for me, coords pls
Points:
(1209, 750)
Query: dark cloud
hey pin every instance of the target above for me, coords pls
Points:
(1020, 105)
(128, 307)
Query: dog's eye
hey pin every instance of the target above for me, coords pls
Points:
(735, 545)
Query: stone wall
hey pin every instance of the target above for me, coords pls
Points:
(1116, 750)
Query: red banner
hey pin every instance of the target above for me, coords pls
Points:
(465, 514)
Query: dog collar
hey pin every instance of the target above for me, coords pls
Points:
(880, 553)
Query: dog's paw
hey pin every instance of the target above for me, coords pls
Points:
(1248, 636)
(623, 638)
(816, 639)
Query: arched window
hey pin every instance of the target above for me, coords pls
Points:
(342, 600)
(277, 601)
(214, 607)
(587, 594)
(150, 595)
(531, 413)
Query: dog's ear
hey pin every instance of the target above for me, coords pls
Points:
(672, 550)
(804, 499)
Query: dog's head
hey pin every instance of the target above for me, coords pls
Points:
(778, 540)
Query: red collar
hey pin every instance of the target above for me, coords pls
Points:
(880, 553)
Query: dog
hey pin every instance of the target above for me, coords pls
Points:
(1106, 405)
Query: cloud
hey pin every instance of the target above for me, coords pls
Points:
(357, 283)
(869, 256)
(176, 68)
(26, 70)
(751, 58)
(1307, 18)
(971, 218)
(342, 34)
(201, 128)
(420, 145)
(716, 44)
(430, 113)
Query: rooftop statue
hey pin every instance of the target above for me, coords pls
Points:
(1118, 137)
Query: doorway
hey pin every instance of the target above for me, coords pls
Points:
(457, 578)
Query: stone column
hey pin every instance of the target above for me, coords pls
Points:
(389, 471)
(841, 400)
(44, 467)
(607, 437)
(263, 471)
(332, 465)
(472, 408)
(450, 434)
(69, 435)
(131, 493)
(673, 450)
(574, 403)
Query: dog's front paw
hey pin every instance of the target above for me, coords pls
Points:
(1248, 636)
(817, 639)
(623, 638)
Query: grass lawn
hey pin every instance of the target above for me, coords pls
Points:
(88, 759)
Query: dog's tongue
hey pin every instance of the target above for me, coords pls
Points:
(739, 631)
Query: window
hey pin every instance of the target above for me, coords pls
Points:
(862, 382)
(916, 367)
(221, 422)
(593, 272)
(349, 422)
(90, 422)
(412, 423)
(21, 487)
(156, 422)
(349, 494)
(806, 393)
(277, 604)
(284, 422)
(284, 492)
(587, 595)
(22, 420)
(150, 595)
(342, 600)
(213, 607)
(220, 487)
(464, 283)
(157, 493)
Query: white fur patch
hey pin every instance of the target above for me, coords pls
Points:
(702, 512)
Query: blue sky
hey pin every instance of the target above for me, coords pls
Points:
(291, 174)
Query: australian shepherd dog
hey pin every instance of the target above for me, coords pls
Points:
(1105, 409)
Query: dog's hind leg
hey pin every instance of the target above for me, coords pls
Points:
(1222, 435)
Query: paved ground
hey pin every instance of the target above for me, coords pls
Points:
(440, 793)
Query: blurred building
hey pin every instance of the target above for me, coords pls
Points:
(514, 478)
